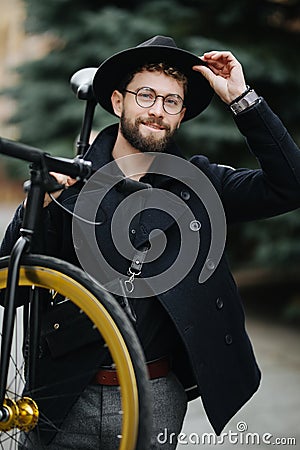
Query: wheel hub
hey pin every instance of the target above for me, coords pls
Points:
(22, 414)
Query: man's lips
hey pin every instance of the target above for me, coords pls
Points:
(153, 125)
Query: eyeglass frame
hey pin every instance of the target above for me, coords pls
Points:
(156, 96)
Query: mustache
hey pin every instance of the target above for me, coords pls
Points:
(153, 120)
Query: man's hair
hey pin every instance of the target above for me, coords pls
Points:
(156, 67)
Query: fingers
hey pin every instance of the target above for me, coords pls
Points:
(70, 181)
(65, 180)
(60, 178)
(223, 61)
(220, 63)
(216, 55)
(224, 73)
(208, 73)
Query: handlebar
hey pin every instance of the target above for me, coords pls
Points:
(75, 168)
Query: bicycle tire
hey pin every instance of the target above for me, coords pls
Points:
(115, 328)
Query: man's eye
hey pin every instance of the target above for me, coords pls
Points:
(172, 101)
(146, 96)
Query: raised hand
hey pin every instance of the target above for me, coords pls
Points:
(224, 73)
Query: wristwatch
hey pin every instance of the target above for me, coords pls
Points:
(247, 100)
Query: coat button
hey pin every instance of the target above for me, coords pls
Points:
(185, 195)
(228, 339)
(219, 303)
(133, 231)
(195, 225)
(56, 326)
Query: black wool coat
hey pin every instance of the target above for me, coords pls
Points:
(215, 360)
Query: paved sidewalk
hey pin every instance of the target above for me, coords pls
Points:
(274, 409)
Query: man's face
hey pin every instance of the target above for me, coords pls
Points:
(150, 129)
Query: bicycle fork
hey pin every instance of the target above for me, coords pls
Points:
(8, 319)
(11, 412)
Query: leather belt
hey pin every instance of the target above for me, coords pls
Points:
(156, 369)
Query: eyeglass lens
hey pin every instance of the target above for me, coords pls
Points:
(146, 97)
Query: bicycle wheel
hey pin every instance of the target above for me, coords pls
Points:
(101, 323)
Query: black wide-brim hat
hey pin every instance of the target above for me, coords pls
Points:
(155, 50)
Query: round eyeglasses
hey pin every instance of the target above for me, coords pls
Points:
(146, 97)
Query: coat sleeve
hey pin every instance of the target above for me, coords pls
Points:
(12, 232)
(274, 188)
(47, 236)
(53, 235)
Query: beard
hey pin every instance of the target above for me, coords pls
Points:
(131, 132)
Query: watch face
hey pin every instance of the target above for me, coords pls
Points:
(248, 100)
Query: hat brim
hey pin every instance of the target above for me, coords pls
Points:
(114, 69)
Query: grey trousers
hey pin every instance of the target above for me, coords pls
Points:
(94, 422)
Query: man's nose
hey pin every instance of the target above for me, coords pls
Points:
(157, 108)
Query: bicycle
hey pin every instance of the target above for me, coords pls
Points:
(75, 299)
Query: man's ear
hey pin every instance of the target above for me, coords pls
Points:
(117, 102)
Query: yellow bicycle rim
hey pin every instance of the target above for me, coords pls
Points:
(51, 279)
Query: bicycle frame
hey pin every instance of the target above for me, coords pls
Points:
(40, 183)
(24, 245)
